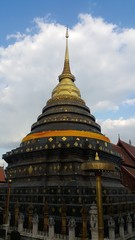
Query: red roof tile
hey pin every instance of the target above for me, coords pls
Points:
(130, 149)
(128, 154)
(2, 175)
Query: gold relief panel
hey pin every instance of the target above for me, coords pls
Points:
(54, 168)
(59, 191)
(89, 146)
(73, 210)
(53, 210)
(64, 138)
(50, 139)
(30, 169)
(76, 144)
(46, 146)
(70, 167)
(58, 167)
(65, 167)
(78, 191)
(60, 210)
(50, 168)
(59, 145)
(53, 146)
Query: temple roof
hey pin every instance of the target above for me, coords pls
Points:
(2, 175)
(129, 149)
(128, 154)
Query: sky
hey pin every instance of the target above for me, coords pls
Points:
(102, 58)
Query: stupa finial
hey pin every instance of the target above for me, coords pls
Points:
(66, 70)
(66, 53)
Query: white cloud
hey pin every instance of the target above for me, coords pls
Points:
(2, 163)
(102, 57)
(119, 127)
(130, 102)
(105, 105)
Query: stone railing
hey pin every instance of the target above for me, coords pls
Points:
(125, 226)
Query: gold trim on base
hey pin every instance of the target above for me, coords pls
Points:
(66, 133)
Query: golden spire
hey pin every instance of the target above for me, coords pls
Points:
(66, 70)
(66, 87)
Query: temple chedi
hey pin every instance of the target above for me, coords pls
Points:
(53, 171)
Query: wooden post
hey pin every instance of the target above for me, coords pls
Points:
(99, 207)
(46, 218)
(84, 224)
(7, 202)
(64, 221)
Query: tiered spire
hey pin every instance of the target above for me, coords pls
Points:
(66, 70)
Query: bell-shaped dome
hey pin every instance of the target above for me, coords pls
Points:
(65, 110)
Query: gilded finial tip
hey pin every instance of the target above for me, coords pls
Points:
(67, 35)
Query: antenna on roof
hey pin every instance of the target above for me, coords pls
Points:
(118, 136)
(130, 142)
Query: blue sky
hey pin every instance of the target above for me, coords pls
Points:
(17, 15)
(102, 50)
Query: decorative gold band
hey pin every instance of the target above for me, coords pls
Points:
(66, 133)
